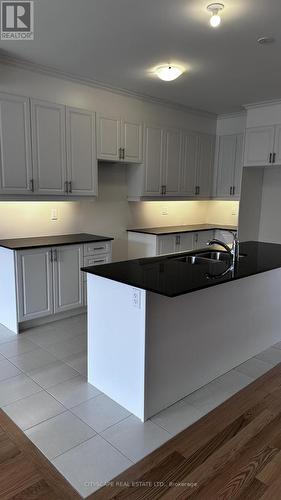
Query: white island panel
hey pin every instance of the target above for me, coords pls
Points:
(116, 342)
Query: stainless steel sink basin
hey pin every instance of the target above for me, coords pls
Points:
(215, 255)
(195, 259)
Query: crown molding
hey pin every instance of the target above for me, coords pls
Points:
(237, 114)
(50, 71)
(262, 104)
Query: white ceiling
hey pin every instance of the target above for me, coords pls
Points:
(118, 42)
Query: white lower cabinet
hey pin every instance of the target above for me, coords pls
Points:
(166, 244)
(202, 238)
(182, 242)
(68, 279)
(50, 280)
(34, 283)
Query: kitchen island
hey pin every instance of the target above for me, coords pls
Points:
(160, 328)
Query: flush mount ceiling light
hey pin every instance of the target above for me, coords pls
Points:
(168, 72)
(215, 9)
(265, 40)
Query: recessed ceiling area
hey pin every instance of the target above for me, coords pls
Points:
(119, 42)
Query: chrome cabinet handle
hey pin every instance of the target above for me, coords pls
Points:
(123, 153)
(233, 190)
(51, 255)
(273, 157)
(70, 187)
(178, 239)
(270, 158)
(66, 187)
(55, 255)
(230, 190)
(31, 185)
(120, 153)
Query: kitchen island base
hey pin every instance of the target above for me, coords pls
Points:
(146, 351)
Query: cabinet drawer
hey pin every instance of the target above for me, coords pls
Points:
(97, 260)
(97, 248)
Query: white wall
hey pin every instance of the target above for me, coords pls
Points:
(270, 221)
(23, 219)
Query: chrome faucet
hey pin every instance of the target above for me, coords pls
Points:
(233, 251)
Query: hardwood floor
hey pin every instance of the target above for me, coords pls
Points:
(233, 452)
(25, 474)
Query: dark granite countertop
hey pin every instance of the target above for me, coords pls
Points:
(171, 276)
(182, 229)
(51, 241)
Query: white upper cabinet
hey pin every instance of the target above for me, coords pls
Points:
(49, 147)
(154, 160)
(226, 165)
(229, 166)
(81, 152)
(119, 140)
(205, 165)
(109, 138)
(276, 159)
(238, 165)
(259, 146)
(172, 170)
(132, 141)
(176, 164)
(15, 142)
(189, 163)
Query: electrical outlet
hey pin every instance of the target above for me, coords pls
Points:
(136, 298)
(54, 214)
(164, 211)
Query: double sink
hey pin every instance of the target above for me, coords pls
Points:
(207, 257)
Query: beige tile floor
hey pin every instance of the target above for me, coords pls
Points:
(86, 435)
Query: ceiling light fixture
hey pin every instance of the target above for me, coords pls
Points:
(264, 40)
(215, 9)
(168, 72)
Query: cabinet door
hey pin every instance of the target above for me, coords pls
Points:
(277, 145)
(109, 138)
(172, 162)
(202, 238)
(258, 146)
(238, 165)
(34, 283)
(153, 162)
(205, 165)
(189, 162)
(68, 279)
(15, 159)
(132, 141)
(166, 244)
(224, 236)
(226, 165)
(184, 242)
(49, 147)
(81, 152)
